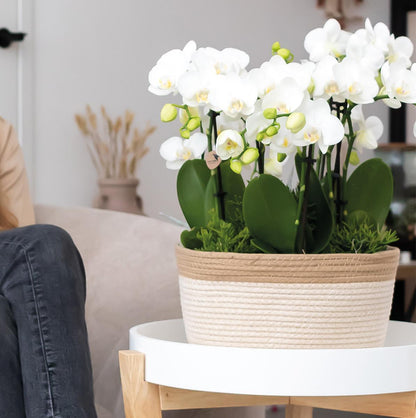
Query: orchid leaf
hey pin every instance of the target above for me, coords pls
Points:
(269, 210)
(189, 239)
(233, 188)
(191, 187)
(370, 189)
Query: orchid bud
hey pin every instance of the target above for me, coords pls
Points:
(295, 122)
(250, 155)
(275, 47)
(193, 123)
(260, 136)
(236, 166)
(271, 131)
(185, 133)
(285, 54)
(354, 159)
(281, 157)
(270, 113)
(168, 113)
(311, 87)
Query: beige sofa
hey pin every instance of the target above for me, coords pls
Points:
(131, 279)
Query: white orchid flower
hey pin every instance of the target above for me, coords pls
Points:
(229, 60)
(329, 40)
(369, 45)
(321, 126)
(225, 122)
(164, 76)
(400, 50)
(399, 83)
(233, 95)
(256, 123)
(368, 131)
(282, 142)
(285, 98)
(325, 83)
(195, 87)
(272, 165)
(176, 150)
(358, 82)
(230, 144)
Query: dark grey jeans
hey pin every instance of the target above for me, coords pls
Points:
(45, 367)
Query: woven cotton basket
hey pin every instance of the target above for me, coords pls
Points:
(286, 300)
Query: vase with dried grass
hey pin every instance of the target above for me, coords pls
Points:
(116, 150)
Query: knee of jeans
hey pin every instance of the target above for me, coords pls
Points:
(51, 242)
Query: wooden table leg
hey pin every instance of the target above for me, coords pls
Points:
(141, 399)
(294, 411)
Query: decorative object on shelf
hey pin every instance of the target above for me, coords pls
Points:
(342, 10)
(274, 265)
(116, 150)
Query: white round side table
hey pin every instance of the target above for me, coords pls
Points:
(162, 371)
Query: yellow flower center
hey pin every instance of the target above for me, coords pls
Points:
(311, 137)
(230, 145)
(401, 91)
(236, 105)
(282, 108)
(331, 88)
(185, 154)
(202, 96)
(165, 85)
(220, 68)
(285, 142)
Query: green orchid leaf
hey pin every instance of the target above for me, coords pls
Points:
(191, 187)
(370, 189)
(269, 210)
(263, 247)
(233, 188)
(189, 239)
(320, 218)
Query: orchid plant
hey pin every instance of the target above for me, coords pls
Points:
(304, 116)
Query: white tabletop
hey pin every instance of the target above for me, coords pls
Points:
(171, 361)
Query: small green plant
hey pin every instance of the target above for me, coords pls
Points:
(361, 237)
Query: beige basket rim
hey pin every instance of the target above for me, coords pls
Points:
(288, 268)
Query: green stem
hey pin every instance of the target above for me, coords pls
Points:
(302, 209)
(260, 146)
(219, 192)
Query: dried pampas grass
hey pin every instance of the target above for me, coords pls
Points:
(115, 148)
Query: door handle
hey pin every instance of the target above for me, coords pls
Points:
(7, 37)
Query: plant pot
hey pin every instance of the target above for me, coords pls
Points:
(286, 300)
(119, 195)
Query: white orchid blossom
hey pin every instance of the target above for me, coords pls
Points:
(256, 123)
(227, 61)
(282, 142)
(400, 50)
(399, 83)
(233, 95)
(369, 45)
(329, 40)
(321, 127)
(368, 131)
(164, 76)
(272, 165)
(195, 87)
(230, 144)
(285, 98)
(325, 83)
(176, 150)
(357, 82)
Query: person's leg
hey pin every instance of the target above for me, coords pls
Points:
(42, 277)
(11, 393)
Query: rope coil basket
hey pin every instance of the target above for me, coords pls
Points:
(286, 300)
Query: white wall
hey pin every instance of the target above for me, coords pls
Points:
(100, 51)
